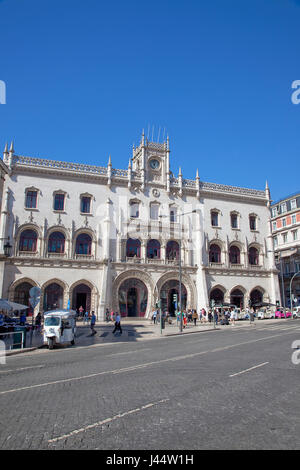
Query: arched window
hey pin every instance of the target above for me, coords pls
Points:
(234, 255)
(153, 249)
(172, 251)
(56, 243)
(214, 254)
(133, 248)
(253, 256)
(83, 244)
(28, 241)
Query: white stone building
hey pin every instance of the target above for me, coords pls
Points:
(99, 237)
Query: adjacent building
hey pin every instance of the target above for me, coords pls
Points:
(97, 237)
(286, 239)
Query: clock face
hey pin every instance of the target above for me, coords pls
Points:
(154, 164)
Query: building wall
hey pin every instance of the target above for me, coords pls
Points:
(110, 225)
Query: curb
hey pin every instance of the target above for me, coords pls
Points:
(12, 352)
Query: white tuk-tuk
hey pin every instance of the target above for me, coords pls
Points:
(59, 327)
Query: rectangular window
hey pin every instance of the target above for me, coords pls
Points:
(283, 222)
(252, 222)
(134, 210)
(31, 199)
(173, 215)
(59, 202)
(274, 225)
(293, 204)
(293, 218)
(274, 211)
(284, 237)
(234, 221)
(154, 211)
(85, 205)
(214, 219)
(283, 207)
(295, 235)
(275, 240)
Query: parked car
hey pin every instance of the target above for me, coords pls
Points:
(279, 314)
(261, 315)
(296, 312)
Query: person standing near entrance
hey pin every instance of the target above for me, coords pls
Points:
(93, 322)
(86, 317)
(195, 317)
(117, 324)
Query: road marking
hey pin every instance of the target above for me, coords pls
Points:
(106, 421)
(128, 352)
(251, 368)
(21, 368)
(140, 366)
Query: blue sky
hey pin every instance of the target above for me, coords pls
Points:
(84, 78)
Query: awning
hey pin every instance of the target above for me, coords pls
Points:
(11, 306)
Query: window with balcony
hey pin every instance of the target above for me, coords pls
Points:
(31, 200)
(83, 244)
(133, 248)
(153, 249)
(56, 243)
(234, 255)
(59, 202)
(214, 254)
(172, 250)
(28, 241)
(253, 256)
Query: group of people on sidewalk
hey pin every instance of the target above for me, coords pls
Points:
(219, 316)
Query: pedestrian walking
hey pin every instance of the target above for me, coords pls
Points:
(86, 317)
(216, 316)
(112, 315)
(93, 322)
(117, 324)
(195, 317)
(107, 315)
(154, 316)
(38, 321)
(233, 317)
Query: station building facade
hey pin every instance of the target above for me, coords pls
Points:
(97, 237)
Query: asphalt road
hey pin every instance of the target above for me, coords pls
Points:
(228, 389)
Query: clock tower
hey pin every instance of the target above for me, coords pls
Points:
(151, 162)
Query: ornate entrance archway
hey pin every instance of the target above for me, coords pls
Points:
(133, 276)
(167, 292)
(133, 298)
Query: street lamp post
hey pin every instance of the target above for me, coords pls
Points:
(180, 270)
(291, 300)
